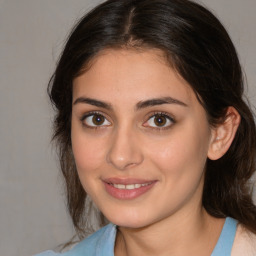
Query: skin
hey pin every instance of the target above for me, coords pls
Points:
(169, 218)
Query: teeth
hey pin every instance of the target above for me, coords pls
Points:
(130, 186)
(120, 186)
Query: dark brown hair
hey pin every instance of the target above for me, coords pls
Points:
(199, 48)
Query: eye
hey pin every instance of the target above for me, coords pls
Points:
(95, 120)
(159, 120)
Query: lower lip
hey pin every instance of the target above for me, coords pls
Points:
(125, 194)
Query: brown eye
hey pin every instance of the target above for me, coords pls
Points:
(94, 120)
(160, 120)
(98, 119)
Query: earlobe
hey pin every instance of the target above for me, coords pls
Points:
(223, 134)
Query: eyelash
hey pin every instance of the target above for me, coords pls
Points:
(161, 114)
(91, 114)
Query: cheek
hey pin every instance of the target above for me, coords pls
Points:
(89, 159)
(87, 155)
(184, 151)
(88, 151)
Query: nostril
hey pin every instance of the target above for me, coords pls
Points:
(123, 161)
(124, 151)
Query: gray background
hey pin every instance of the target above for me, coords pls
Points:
(32, 32)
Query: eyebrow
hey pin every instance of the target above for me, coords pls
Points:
(93, 102)
(139, 105)
(159, 101)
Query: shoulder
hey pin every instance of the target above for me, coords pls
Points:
(47, 253)
(244, 243)
(101, 241)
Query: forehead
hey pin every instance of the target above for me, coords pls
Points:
(134, 74)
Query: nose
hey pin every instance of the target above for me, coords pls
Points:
(125, 151)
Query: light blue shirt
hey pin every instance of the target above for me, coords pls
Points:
(102, 242)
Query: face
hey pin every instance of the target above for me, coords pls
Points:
(140, 138)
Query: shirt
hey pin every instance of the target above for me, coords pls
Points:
(102, 242)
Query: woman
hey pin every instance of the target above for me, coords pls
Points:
(151, 126)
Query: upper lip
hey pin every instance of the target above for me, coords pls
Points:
(127, 181)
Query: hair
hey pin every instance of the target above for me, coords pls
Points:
(199, 48)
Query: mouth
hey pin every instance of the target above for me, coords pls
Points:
(130, 186)
(125, 189)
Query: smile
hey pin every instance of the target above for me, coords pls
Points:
(126, 189)
(129, 186)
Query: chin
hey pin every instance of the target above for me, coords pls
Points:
(128, 220)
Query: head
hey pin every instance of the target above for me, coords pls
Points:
(192, 43)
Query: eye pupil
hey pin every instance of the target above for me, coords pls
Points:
(98, 119)
(160, 120)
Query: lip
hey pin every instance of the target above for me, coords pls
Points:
(126, 194)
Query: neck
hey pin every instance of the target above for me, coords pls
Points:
(181, 234)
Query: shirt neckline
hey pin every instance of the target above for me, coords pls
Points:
(226, 239)
(222, 248)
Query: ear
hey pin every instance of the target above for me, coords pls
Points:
(224, 134)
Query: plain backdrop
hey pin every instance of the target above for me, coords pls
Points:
(33, 216)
